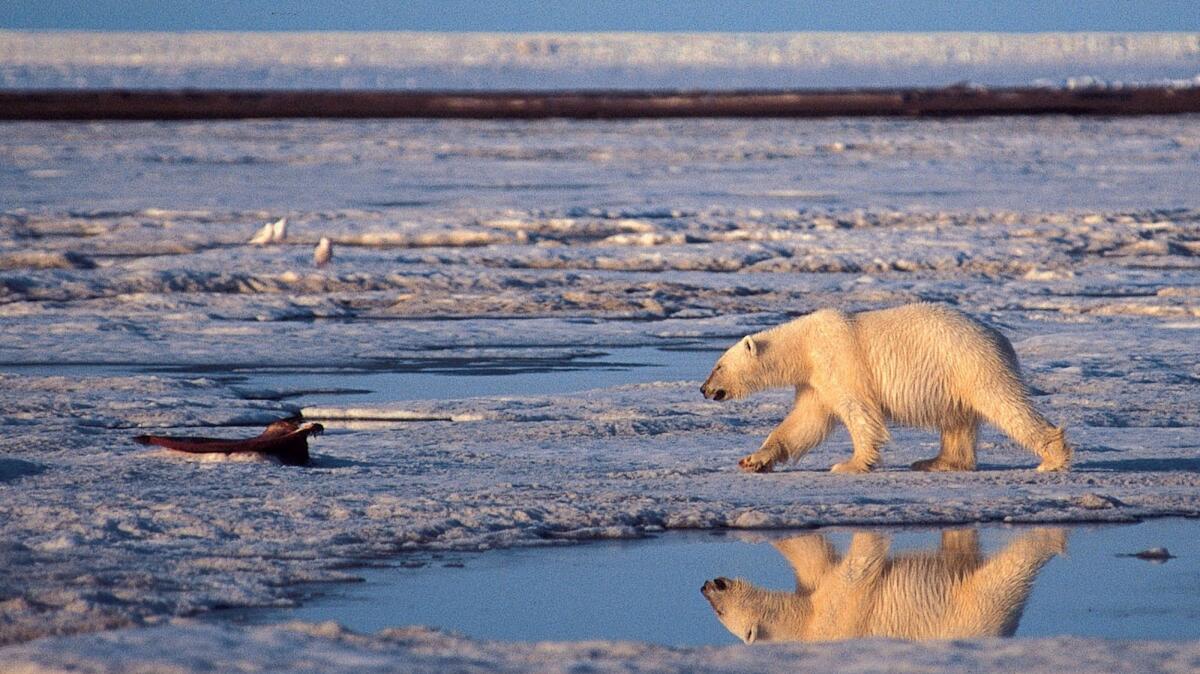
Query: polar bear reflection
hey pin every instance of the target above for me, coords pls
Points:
(950, 593)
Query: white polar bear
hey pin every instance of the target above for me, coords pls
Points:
(919, 365)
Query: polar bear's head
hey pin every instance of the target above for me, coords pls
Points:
(737, 374)
(754, 614)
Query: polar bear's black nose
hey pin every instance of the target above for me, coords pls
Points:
(718, 584)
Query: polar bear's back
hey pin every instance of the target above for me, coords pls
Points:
(929, 361)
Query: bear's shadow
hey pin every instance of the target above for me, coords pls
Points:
(1142, 466)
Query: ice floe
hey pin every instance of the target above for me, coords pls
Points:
(133, 305)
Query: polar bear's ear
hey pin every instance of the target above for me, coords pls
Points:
(751, 347)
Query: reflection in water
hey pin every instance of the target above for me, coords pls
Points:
(951, 592)
(645, 590)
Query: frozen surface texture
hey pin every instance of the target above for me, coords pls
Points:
(124, 245)
(306, 647)
(589, 60)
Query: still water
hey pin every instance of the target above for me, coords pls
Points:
(839, 582)
(520, 370)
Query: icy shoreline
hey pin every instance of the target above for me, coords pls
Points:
(302, 647)
(126, 245)
(598, 464)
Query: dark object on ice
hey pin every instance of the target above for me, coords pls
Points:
(1156, 555)
(285, 440)
(955, 101)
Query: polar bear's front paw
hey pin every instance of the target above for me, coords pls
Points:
(850, 466)
(756, 464)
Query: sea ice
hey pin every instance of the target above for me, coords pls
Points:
(47, 59)
(130, 302)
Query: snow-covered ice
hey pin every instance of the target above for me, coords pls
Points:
(124, 245)
(187, 646)
(41, 59)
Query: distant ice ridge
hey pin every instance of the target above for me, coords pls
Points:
(587, 60)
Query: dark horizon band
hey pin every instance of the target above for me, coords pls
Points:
(955, 101)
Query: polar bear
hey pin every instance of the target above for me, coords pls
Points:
(922, 365)
(952, 593)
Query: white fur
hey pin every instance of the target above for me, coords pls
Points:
(921, 365)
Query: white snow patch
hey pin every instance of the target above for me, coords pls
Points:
(587, 60)
(187, 646)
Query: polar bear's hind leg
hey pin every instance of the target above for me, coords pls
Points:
(1012, 412)
(958, 448)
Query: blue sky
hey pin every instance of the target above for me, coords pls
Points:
(606, 15)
